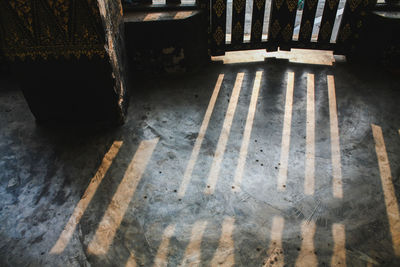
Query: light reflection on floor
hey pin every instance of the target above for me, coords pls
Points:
(121, 199)
(389, 192)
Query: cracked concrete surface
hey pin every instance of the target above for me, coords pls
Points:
(93, 197)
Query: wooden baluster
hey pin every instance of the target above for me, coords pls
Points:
(238, 13)
(327, 22)
(257, 21)
(218, 27)
(307, 21)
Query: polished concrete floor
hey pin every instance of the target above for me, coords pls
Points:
(274, 163)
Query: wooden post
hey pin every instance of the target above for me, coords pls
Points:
(69, 57)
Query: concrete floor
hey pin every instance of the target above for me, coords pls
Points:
(212, 169)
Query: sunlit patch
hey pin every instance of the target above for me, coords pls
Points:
(82, 205)
(339, 249)
(392, 207)
(225, 253)
(247, 131)
(307, 257)
(287, 124)
(309, 181)
(152, 16)
(131, 262)
(192, 255)
(183, 14)
(275, 255)
(335, 141)
(116, 209)
(200, 138)
(224, 136)
(161, 258)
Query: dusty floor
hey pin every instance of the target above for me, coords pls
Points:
(246, 164)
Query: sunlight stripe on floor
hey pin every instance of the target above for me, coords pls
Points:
(82, 205)
(339, 242)
(116, 209)
(161, 259)
(225, 253)
(392, 207)
(275, 250)
(224, 136)
(199, 140)
(309, 181)
(335, 140)
(192, 255)
(307, 257)
(287, 124)
(247, 132)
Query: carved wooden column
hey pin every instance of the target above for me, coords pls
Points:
(68, 56)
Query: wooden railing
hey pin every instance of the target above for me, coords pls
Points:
(314, 32)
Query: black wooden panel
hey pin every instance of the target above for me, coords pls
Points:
(257, 21)
(218, 27)
(353, 19)
(281, 24)
(205, 6)
(238, 13)
(173, 2)
(328, 20)
(307, 21)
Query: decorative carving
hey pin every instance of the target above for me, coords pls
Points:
(239, 5)
(259, 4)
(332, 3)
(345, 32)
(287, 33)
(257, 29)
(354, 4)
(278, 3)
(219, 7)
(291, 4)
(219, 36)
(325, 31)
(237, 31)
(311, 3)
(306, 29)
(275, 29)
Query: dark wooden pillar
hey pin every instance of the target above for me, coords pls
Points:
(68, 56)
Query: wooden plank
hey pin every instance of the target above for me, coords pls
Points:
(218, 27)
(293, 44)
(238, 13)
(307, 21)
(281, 25)
(328, 20)
(257, 21)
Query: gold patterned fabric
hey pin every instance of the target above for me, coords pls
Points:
(50, 28)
